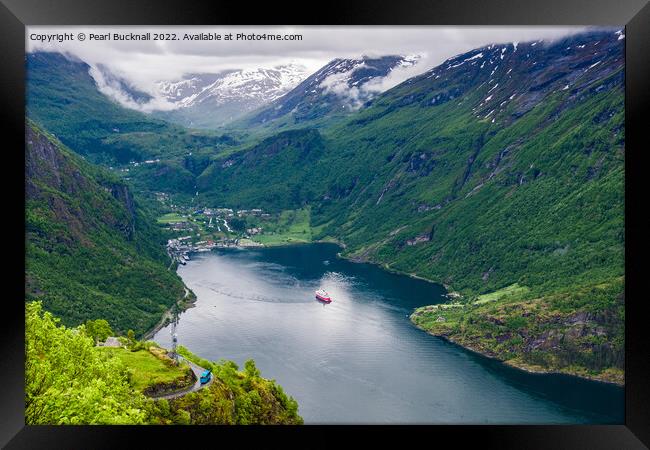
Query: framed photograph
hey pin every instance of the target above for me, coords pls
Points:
(406, 218)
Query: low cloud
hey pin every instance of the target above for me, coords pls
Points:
(357, 95)
(142, 64)
(113, 89)
(337, 84)
(417, 64)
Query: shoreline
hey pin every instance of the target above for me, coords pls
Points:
(453, 294)
(448, 294)
(387, 268)
(524, 368)
(167, 316)
(162, 323)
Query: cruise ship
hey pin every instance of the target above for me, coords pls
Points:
(323, 296)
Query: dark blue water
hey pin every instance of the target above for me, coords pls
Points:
(359, 359)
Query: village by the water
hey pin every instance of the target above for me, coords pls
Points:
(201, 229)
(207, 229)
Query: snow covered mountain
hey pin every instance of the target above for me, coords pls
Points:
(210, 100)
(342, 85)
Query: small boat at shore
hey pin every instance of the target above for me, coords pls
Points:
(323, 296)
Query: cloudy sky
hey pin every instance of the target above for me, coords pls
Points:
(142, 63)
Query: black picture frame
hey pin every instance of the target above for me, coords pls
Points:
(634, 14)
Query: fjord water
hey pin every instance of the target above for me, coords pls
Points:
(359, 359)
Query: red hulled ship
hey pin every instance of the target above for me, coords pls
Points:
(323, 296)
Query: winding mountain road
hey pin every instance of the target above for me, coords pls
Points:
(198, 370)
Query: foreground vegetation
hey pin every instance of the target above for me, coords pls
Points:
(235, 397)
(68, 380)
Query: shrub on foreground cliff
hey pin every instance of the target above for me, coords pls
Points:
(235, 397)
(70, 381)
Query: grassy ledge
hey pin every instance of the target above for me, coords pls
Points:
(151, 370)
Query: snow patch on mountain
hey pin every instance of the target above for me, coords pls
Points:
(343, 79)
(246, 88)
(252, 86)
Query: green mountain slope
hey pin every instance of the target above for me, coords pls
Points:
(502, 166)
(433, 179)
(63, 97)
(240, 179)
(91, 250)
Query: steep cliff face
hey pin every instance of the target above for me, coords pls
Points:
(46, 165)
(91, 252)
(122, 194)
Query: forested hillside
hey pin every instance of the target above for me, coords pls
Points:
(63, 98)
(91, 250)
(502, 165)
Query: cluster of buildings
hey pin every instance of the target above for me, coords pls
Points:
(252, 212)
(148, 161)
(179, 249)
(161, 196)
(211, 212)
